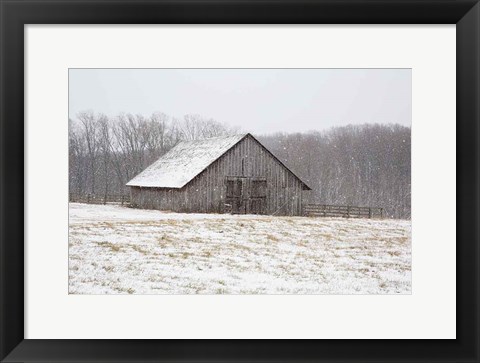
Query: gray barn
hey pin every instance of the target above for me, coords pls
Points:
(234, 174)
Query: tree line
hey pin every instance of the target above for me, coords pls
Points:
(366, 165)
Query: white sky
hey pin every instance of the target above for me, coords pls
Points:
(257, 100)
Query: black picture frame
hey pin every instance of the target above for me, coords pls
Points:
(15, 14)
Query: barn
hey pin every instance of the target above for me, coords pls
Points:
(233, 174)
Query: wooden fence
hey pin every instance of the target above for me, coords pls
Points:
(99, 199)
(346, 211)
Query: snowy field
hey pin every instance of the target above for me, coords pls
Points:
(120, 250)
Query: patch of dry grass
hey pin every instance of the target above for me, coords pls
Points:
(139, 249)
(272, 238)
(111, 246)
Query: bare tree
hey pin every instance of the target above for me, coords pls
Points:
(194, 127)
(90, 132)
(105, 148)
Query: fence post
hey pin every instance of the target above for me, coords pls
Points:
(88, 198)
(122, 198)
(369, 212)
(381, 213)
(348, 211)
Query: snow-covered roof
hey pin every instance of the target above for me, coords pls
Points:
(184, 162)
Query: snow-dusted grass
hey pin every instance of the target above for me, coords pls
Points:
(120, 250)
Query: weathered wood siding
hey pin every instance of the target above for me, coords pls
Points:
(207, 192)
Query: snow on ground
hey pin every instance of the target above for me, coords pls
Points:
(120, 250)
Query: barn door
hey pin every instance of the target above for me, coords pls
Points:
(246, 195)
(258, 196)
(235, 200)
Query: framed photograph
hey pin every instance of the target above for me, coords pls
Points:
(240, 181)
(212, 209)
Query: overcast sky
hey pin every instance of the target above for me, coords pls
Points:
(257, 100)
